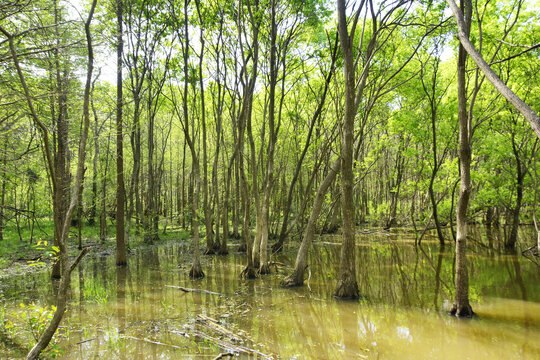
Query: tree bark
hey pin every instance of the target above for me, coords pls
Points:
(93, 205)
(61, 163)
(206, 204)
(461, 306)
(347, 286)
(510, 243)
(196, 270)
(121, 259)
(103, 212)
(3, 195)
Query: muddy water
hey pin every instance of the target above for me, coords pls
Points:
(138, 313)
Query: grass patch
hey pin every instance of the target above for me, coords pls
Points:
(18, 249)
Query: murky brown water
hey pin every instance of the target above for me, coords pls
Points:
(137, 313)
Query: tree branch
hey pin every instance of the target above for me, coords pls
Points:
(520, 105)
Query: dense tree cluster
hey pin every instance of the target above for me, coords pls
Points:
(269, 121)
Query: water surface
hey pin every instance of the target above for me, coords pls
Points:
(139, 313)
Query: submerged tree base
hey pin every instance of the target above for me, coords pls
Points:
(464, 311)
(293, 280)
(248, 273)
(222, 251)
(216, 246)
(264, 269)
(347, 290)
(209, 251)
(242, 248)
(196, 272)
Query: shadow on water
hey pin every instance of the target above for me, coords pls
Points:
(139, 311)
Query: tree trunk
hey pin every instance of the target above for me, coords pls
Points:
(347, 286)
(135, 197)
(93, 204)
(237, 207)
(220, 247)
(510, 243)
(297, 277)
(431, 93)
(461, 306)
(196, 271)
(150, 231)
(120, 241)
(265, 206)
(223, 250)
(278, 246)
(206, 204)
(3, 195)
(61, 165)
(103, 212)
(67, 265)
(434, 210)
(257, 240)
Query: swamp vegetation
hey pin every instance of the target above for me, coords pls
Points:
(269, 178)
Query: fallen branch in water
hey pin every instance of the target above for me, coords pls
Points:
(240, 349)
(222, 355)
(531, 249)
(82, 342)
(154, 342)
(225, 339)
(184, 289)
(214, 325)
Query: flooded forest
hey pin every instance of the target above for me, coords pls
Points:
(274, 179)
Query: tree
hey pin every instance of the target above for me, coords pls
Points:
(347, 286)
(190, 137)
(434, 100)
(67, 265)
(120, 230)
(461, 306)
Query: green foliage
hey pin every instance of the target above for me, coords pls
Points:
(36, 318)
(97, 292)
(6, 325)
(48, 250)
